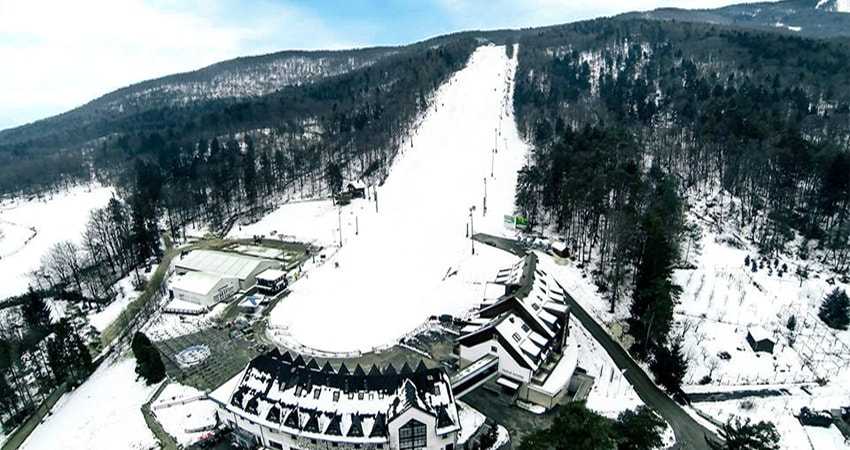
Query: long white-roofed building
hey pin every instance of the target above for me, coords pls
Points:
(242, 268)
(283, 402)
(527, 331)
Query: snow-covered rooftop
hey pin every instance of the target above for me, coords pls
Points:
(220, 263)
(200, 283)
(298, 397)
(271, 275)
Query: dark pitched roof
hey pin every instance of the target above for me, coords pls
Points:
(390, 370)
(286, 356)
(343, 370)
(374, 371)
(443, 418)
(274, 414)
(299, 361)
(292, 420)
(327, 368)
(356, 428)
(312, 424)
(358, 371)
(421, 367)
(405, 369)
(313, 365)
(379, 429)
(334, 426)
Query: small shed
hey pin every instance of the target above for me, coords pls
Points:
(559, 248)
(760, 340)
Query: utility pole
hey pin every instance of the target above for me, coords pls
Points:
(485, 196)
(356, 225)
(472, 228)
(375, 195)
(339, 214)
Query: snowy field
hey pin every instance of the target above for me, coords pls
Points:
(30, 228)
(780, 411)
(412, 259)
(102, 414)
(185, 413)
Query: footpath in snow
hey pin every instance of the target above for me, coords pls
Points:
(412, 259)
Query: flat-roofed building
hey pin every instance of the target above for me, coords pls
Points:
(242, 268)
(202, 288)
(271, 282)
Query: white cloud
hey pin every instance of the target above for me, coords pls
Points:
(60, 54)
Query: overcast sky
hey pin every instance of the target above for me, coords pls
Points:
(59, 54)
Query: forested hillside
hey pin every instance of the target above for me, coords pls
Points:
(631, 119)
(207, 167)
(810, 18)
(57, 149)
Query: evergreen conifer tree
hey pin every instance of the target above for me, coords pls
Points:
(639, 429)
(148, 361)
(746, 435)
(835, 310)
(670, 366)
(35, 310)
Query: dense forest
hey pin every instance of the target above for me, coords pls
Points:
(631, 119)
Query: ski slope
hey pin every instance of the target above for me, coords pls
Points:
(392, 276)
(30, 227)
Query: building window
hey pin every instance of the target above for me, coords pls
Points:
(450, 447)
(276, 445)
(380, 446)
(412, 435)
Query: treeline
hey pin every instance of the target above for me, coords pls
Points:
(36, 359)
(206, 168)
(628, 119)
(762, 115)
(354, 110)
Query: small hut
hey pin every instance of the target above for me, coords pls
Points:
(760, 340)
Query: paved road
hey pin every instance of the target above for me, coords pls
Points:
(689, 433)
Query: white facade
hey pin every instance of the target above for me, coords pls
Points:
(527, 329)
(202, 289)
(284, 404)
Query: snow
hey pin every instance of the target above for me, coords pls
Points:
(470, 421)
(168, 326)
(611, 393)
(182, 411)
(104, 413)
(21, 251)
(126, 295)
(842, 6)
(412, 259)
(780, 411)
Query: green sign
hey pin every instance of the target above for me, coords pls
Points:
(521, 223)
(516, 222)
